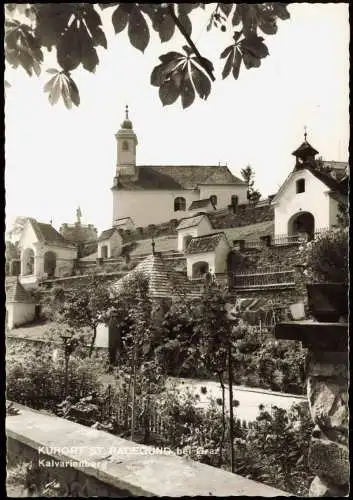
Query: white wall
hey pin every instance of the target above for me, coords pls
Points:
(189, 231)
(19, 314)
(224, 194)
(65, 256)
(204, 227)
(208, 257)
(102, 336)
(149, 206)
(114, 245)
(314, 200)
(222, 252)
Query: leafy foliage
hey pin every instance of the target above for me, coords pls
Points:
(343, 215)
(75, 30)
(273, 449)
(326, 258)
(248, 175)
(17, 228)
(40, 384)
(83, 307)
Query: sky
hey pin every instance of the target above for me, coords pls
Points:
(59, 159)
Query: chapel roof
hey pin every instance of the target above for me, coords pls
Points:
(196, 204)
(122, 220)
(163, 281)
(326, 178)
(46, 233)
(191, 221)
(17, 293)
(179, 177)
(206, 243)
(107, 234)
(305, 149)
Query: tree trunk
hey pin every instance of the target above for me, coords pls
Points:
(66, 376)
(93, 341)
(146, 421)
(221, 444)
(231, 421)
(133, 403)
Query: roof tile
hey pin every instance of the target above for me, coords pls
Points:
(201, 204)
(207, 243)
(48, 234)
(178, 177)
(190, 221)
(163, 281)
(17, 293)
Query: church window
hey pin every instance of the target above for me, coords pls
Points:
(125, 146)
(213, 200)
(179, 204)
(234, 200)
(234, 203)
(300, 185)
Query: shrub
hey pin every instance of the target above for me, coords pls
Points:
(326, 258)
(39, 382)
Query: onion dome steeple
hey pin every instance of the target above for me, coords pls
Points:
(126, 149)
(127, 124)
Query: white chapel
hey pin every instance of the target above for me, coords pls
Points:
(152, 194)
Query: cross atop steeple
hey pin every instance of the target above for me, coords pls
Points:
(126, 112)
(305, 132)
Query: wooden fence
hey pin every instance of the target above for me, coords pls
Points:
(279, 240)
(269, 279)
(152, 422)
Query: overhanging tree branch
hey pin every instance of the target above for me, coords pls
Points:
(189, 40)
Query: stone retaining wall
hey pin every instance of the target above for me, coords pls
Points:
(96, 463)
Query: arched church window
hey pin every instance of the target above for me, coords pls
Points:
(234, 200)
(125, 146)
(234, 203)
(179, 204)
(213, 200)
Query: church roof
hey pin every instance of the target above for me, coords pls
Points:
(206, 243)
(17, 293)
(191, 221)
(163, 281)
(179, 177)
(107, 234)
(46, 233)
(195, 205)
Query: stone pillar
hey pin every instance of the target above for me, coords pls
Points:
(327, 390)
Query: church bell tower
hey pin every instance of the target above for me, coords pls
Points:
(126, 150)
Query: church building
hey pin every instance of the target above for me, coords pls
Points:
(153, 194)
